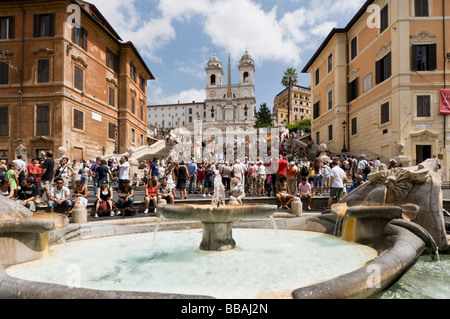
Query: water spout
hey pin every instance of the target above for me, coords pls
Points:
(218, 198)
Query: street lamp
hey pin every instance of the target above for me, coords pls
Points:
(116, 134)
(344, 126)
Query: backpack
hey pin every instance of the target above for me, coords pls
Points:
(304, 171)
(367, 169)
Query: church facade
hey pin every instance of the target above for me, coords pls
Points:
(231, 103)
(225, 104)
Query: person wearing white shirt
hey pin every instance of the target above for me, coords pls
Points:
(337, 179)
(60, 196)
(124, 170)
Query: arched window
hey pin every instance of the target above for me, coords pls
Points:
(213, 79)
(245, 77)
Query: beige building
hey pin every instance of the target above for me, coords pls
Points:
(376, 88)
(300, 105)
(68, 84)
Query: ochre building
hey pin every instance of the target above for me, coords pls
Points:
(376, 83)
(67, 80)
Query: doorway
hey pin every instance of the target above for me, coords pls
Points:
(423, 152)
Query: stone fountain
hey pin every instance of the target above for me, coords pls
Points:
(397, 212)
(217, 219)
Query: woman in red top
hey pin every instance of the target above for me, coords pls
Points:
(150, 195)
(200, 178)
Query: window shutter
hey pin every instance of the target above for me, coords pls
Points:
(378, 72)
(4, 121)
(51, 27)
(11, 27)
(388, 66)
(414, 58)
(432, 56)
(36, 25)
(85, 39)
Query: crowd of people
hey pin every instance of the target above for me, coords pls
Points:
(62, 185)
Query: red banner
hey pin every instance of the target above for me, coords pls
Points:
(445, 101)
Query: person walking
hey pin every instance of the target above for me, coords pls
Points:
(337, 179)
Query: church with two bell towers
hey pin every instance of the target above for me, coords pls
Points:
(230, 104)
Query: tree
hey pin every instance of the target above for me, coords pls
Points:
(290, 78)
(263, 117)
(302, 125)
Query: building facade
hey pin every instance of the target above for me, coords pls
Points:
(300, 105)
(225, 104)
(175, 115)
(376, 83)
(68, 81)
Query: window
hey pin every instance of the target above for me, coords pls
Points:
(385, 113)
(383, 68)
(111, 131)
(133, 135)
(6, 28)
(317, 76)
(44, 25)
(318, 138)
(424, 57)
(354, 128)
(78, 119)
(423, 106)
(190, 119)
(142, 139)
(354, 47)
(133, 72)
(112, 60)
(112, 96)
(384, 16)
(330, 63)
(367, 82)
(213, 79)
(142, 83)
(330, 100)
(4, 121)
(78, 78)
(245, 78)
(43, 72)
(42, 120)
(330, 132)
(316, 110)
(353, 89)
(421, 8)
(142, 113)
(4, 72)
(80, 37)
(133, 105)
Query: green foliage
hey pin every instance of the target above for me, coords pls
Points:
(302, 125)
(263, 117)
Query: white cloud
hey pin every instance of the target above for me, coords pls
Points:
(158, 96)
(276, 34)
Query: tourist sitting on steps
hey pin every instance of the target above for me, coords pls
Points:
(126, 198)
(151, 195)
(283, 194)
(304, 190)
(27, 194)
(237, 190)
(6, 189)
(60, 196)
(80, 194)
(165, 192)
(104, 199)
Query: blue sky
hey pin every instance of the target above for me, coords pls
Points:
(176, 38)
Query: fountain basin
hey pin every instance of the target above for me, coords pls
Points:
(210, 214)
(217, 221)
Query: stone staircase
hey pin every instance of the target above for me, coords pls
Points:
(163, 153)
